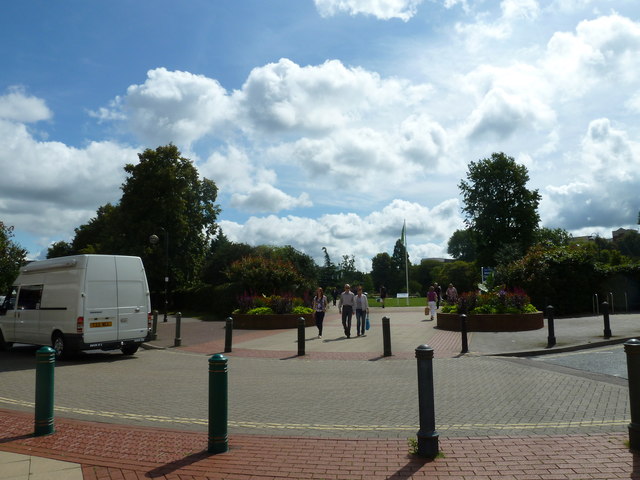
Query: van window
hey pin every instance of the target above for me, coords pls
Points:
(29, 297)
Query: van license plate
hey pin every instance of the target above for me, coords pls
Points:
(100, 324)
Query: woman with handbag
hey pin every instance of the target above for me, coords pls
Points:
(362, 309)
(319, 309)
(432, 298)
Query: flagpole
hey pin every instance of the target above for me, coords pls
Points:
(406, 261)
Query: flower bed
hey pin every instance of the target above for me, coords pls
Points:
(500, 322)
(270, 322)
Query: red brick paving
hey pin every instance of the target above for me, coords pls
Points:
(110, 452)
(445, 344)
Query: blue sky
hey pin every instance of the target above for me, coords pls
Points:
(324, 123)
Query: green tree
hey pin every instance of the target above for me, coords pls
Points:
(328, 272)
(12, 257)
(383, 271)
(261, 275)
(550, 237)
(162, 195)
(60, 249)
(465, 276)
(629, 244)
(498, 207)
(222, 254)
(463, 245)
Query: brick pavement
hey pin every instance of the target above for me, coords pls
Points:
(108, 451)
(135, 451)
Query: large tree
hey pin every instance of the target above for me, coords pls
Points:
(163, 196)
(463, 245)
(499, 208)
(12, 257)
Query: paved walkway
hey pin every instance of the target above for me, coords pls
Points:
(110, 451)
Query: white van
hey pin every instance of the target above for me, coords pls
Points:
(81, 302)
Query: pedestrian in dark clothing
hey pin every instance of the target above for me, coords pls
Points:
(345, 306)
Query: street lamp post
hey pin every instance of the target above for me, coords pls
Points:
(154, 240)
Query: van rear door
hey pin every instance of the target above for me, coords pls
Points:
(101, 300)
(133, 298)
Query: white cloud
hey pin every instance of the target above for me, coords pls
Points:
(266, 198)
(604, 49)
(284, 97)
(173, 107)
(382, 9)
(607, 179)
(57, 187)
(362, 236)
(19, 107)
(512, 13)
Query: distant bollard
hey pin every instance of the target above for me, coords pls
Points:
(605, 314)
(154, 325)
(463, 332)
(427, 435)
(228, 334)
(218, 404)
(45, 366)
(301, 339)
(632, 349)
(178, 341)
(551, 339)
(386, 336)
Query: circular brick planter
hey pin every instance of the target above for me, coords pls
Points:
(270, 322)
(505, 322)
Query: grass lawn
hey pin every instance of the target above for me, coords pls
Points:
(399, 302)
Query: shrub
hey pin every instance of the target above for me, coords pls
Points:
(499, 301)
(260, 311)
(276, 304)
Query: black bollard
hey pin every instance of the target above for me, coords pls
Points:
(301, 339)
(178, 341)
(605, 314)
(386, 336)
(463, 331)
(632, 349)
(427, 435)
(551, 339)
(228, 334)
(218, 441)
(45, 365)
(154, 326)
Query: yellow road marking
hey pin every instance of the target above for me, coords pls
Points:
(325, 427)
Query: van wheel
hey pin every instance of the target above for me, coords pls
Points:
(4, 346)
(57, 343)
(130, 349)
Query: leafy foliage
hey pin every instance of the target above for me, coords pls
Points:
(162, 195)
(273, 304)
(569, 277)
(497, 302)
(12, 257)
(499, 209)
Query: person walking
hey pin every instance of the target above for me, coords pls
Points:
(345, 307)
(432, 298)
(319, 309)
(383, 294)
(452, 294)
(362, 309)
(438, 291)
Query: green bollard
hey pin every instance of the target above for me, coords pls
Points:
(45, 364)
(218, 439)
